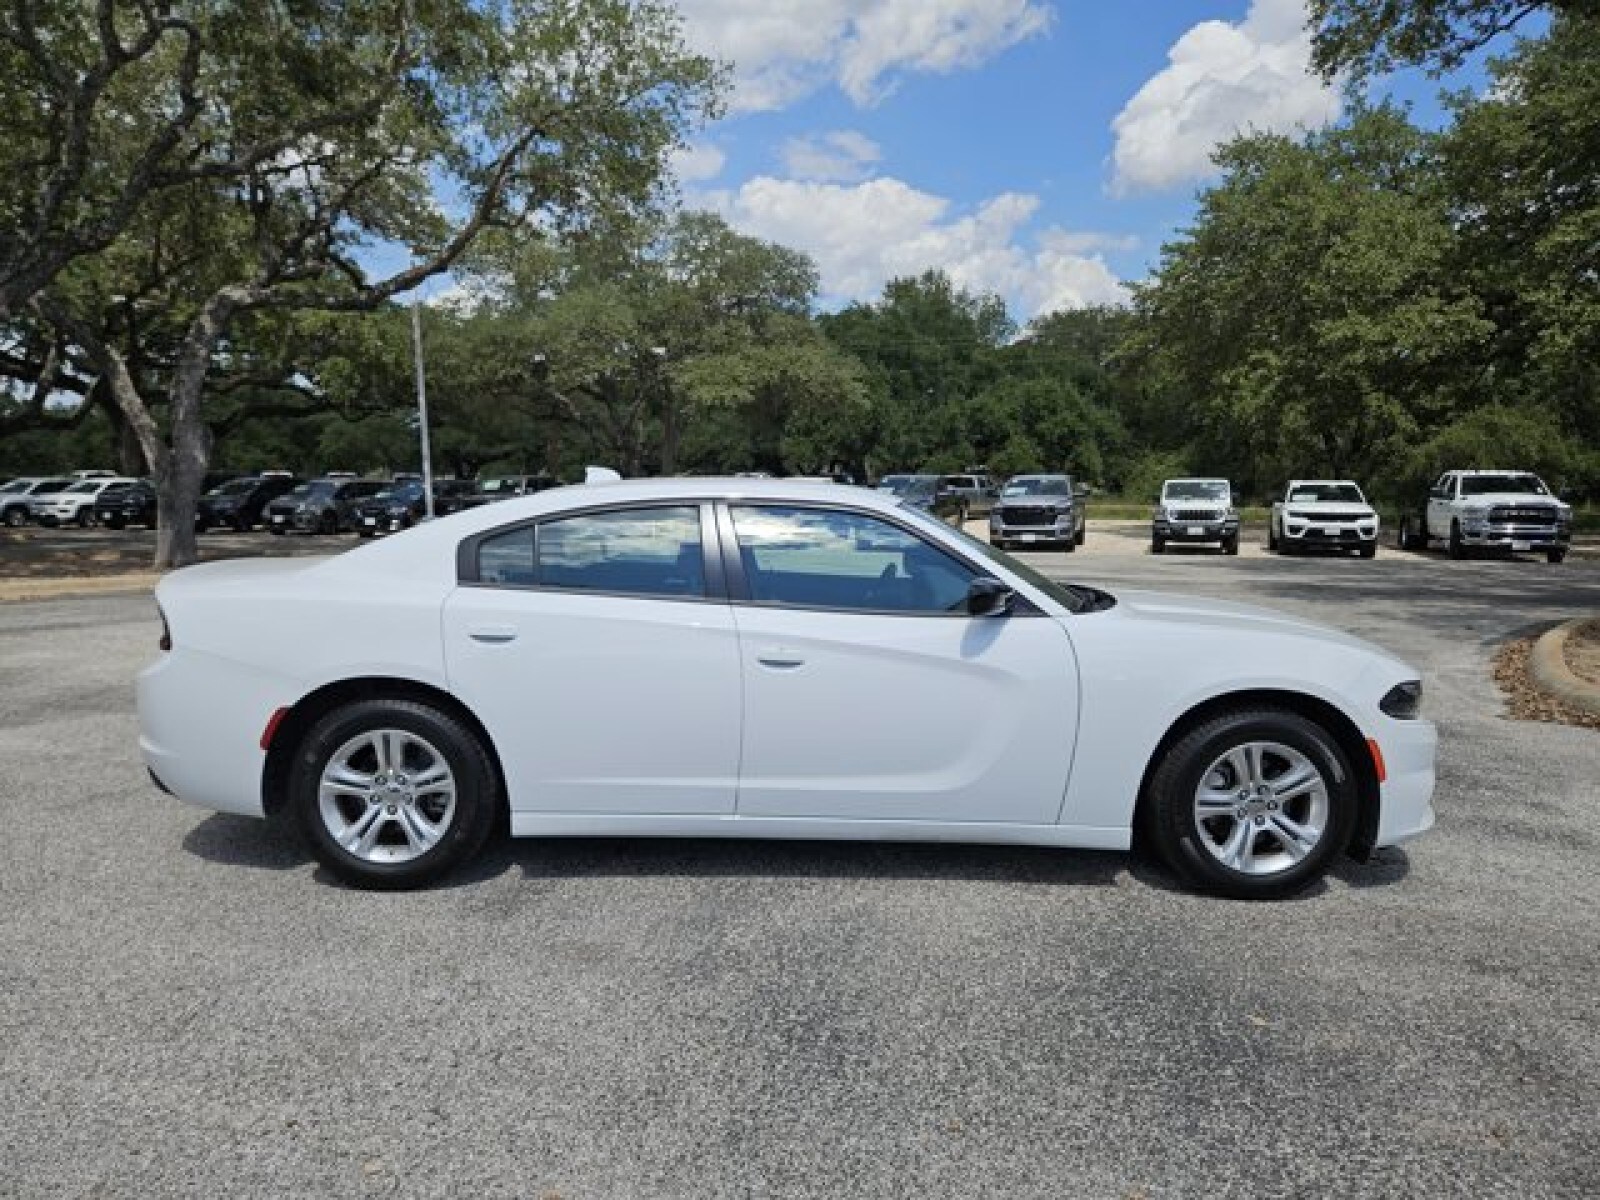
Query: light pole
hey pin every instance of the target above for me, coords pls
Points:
(422, 407)
(669, 413)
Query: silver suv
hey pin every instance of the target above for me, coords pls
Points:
(1038, 510)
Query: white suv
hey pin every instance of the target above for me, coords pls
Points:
(75, 503)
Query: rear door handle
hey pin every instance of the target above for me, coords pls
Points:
(493, 635)
(781, 657)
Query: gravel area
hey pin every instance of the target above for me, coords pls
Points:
(189, 1007)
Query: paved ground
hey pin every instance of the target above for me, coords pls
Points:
(188, 1007)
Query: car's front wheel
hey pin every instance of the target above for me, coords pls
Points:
(392, 793)
(1251, 804)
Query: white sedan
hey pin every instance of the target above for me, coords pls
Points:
(763, 658)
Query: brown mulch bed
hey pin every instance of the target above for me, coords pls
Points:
(1582, 651)
(1524, 701)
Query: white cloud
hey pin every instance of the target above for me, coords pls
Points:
(784, 49)
(696, 162)
(1222, 80)
(842, 156)
(863, 235)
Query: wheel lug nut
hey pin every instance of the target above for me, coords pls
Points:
(393, 810)
(1261, 820)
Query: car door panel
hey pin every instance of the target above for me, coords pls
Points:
(601, 703)
(885, 717)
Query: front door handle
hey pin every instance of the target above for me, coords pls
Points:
(781, 657)
(493, 635)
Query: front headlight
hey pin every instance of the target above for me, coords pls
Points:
(1403, 701)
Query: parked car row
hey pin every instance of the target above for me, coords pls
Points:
(276, 500)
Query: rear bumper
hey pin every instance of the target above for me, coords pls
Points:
(200, 724)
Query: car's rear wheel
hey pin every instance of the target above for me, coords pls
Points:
(392, 793)
(1251, 804)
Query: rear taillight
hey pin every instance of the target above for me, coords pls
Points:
(166, 633)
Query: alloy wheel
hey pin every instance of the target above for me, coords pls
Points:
(1261, 808)
(387, 796)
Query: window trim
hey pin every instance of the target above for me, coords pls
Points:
(739, 588)
(468, 573)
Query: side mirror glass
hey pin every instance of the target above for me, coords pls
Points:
(988, 597)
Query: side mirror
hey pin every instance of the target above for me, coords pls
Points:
(988, 597)
(1080, 490)
(1438, 493)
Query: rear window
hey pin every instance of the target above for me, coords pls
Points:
(642, 551)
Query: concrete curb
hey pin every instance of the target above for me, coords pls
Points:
(1547, 666)
(14, 591)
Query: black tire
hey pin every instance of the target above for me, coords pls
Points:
(16, 517)
(477, 801)
(115, 523)
(201, 526)
(1072, 544)
(84, 518)
(1274, 546)
(328, 524)
(998, 543)
(1368, 549)
(363, 534)
(1083, 534)
(1157, 545)
(1231, 545)
(1455, 548)
(1173, 831)
(275, 530)
(1555, 556)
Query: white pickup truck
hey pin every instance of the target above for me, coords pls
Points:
(1327, 513)
(1501, 510)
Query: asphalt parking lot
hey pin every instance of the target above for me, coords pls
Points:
(188, 1006)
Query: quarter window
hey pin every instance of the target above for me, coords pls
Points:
(643, 551)
(825, 558)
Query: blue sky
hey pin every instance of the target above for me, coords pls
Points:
(1042, 149)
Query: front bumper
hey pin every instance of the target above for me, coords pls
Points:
(1505, 536)
(299, 520)
(1406, 796)
(1331, 533)
(1061, 530)
(1196, 531)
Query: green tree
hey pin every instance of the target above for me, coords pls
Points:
(331, 128)
(1363, 38)
(1311, 315)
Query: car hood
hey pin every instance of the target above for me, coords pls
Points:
(1520, 499)
(1329, 508)
(1032, 501)
(1202, 615)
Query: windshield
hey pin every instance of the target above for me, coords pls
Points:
(88, 485)
(406, 492)
(311, 491)
(1326, 493)
(919, 487)
(1196, 489)
(1038, 485)
(50, 486)
(894, 483)
(1511, 481)
(236, 487)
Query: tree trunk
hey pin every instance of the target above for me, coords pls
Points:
(178, 487)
